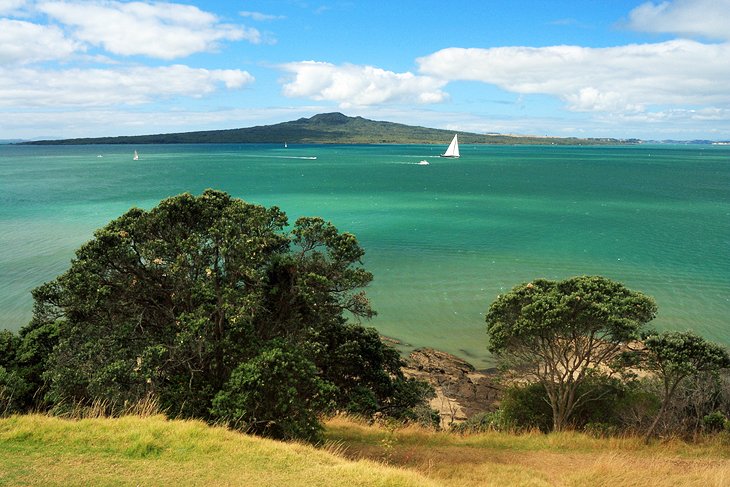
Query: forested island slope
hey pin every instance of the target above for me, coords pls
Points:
(329, 128)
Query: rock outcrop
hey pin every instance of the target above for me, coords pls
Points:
(461, 390)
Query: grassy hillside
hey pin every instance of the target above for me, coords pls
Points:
(327, 128)
(565, 459)
(39, 450)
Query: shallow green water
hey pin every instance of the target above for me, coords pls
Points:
(442, 240)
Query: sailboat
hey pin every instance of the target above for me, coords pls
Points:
(136, 156)
(453, 150)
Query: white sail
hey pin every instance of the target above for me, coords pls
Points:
(136, 156)
(453, 150)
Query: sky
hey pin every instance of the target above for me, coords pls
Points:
(589, 68)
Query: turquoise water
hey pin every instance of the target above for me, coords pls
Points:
(442, 240)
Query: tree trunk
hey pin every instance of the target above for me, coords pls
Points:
(659, 416)
(560, 409)
(668, 394)
(562, 402)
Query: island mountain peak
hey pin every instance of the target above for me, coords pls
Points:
(331, 118)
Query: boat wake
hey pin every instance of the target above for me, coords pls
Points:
(307, 158)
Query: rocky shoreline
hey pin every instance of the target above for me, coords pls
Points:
(461, 390)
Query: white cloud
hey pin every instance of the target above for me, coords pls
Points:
(679, 115)
(27, 87)
(703, 18)
(8, 7)
(159, 30)
(260, 17)
(25, 42)
(352, 85)
(622, 79)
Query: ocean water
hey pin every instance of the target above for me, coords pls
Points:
(442, 240)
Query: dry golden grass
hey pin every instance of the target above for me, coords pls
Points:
(534, 459)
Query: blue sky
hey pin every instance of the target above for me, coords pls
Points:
(611, 68)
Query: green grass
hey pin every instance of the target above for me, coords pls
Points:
(41, 450)
(152, 450)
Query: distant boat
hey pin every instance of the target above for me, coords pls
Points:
(453, 150)
(423, 163)
(286, 145)
(136, 156)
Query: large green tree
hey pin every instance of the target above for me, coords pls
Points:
(560, 333)
(170, 302)
(674, 356)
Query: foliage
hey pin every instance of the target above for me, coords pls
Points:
(25, 358)
(558, 333)
(13, 387)
(634, 407)
(675, 356)
(482, 423)
(609, 401)
(170, 302)
(527, 407)
(715, 421)
(8, 346)
(697, 396)
(290, 409)
(367, 375)
(610, 406)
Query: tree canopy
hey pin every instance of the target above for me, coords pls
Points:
(559, 333)
(673, 356)
(197, 298)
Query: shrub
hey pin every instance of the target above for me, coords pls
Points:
(609, 406)
(277, 394)
(714, 422)
(527, 407)
(483, 422)
(13, 390)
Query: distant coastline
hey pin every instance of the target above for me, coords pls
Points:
(334, 128)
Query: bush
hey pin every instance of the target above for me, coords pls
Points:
(611, 407)
(8, 346)
(277, 394)
(483, 422)
(714, 422)
(527, 407)
(13, 390)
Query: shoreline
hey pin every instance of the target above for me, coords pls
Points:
(461, 390)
